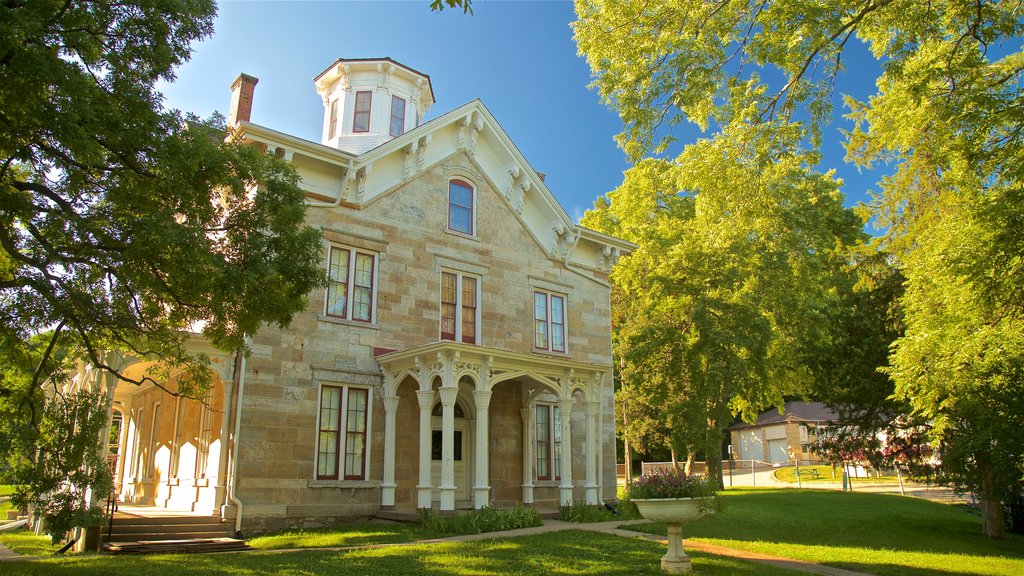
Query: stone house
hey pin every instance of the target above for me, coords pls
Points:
(459, 357)
(779, 437)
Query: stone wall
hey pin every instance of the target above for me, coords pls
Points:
(407, 229)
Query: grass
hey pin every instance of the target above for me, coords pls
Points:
(881, 534)
(788, 474)
(358, 534)
(26, 543)
(570, 552)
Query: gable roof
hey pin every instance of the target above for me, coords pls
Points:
(791, 412)
(472, 129)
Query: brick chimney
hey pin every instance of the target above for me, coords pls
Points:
(241, 99)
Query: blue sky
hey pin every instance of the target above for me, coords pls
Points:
(519, 58)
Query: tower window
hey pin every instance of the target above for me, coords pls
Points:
(397, 116)
(361, 122)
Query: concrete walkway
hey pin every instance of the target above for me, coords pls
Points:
(611, 527)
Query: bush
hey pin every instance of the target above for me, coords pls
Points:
(486, 519)
(672, 484)
(581, 512)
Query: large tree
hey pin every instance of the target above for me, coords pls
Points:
(126, 227)
(720, 307)
(947, 119)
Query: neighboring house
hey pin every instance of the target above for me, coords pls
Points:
(459, 357)
(779, 437)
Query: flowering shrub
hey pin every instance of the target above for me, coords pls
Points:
(672, 484)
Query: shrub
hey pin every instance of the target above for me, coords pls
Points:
(672, 484)
(486, 519)
(581, 512)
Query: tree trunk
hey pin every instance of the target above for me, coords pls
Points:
(990, 504)
(690, 457)
(675, 460)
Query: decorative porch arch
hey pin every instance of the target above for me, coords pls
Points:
(450, 362)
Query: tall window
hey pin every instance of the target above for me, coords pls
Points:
(333, 126)
(343, 416)
(460, 207)
(549, 321)
(459, 307)
(549, 442)
(397, 116)
(350, 279)
(361, 121)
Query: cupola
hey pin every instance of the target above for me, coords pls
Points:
(370, 101)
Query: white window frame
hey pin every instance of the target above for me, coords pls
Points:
(548, 295)
(342, 431)
(349, 284)
(464, 183)
(459, 275)
(554, 456)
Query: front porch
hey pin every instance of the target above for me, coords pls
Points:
(467, 426)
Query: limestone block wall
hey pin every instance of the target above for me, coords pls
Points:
(407, 230)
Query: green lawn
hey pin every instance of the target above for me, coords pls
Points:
(824, 474)
(877, 533)
(358, 534)
(569, 552)
(26, 543)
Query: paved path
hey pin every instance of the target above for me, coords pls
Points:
(555, 526)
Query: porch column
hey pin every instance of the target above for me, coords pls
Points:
(527, 416)
(592, 444)
(482, 489)
(565, 488)
(220, 490)
(425, 398)
(387, 487)
(448, 394)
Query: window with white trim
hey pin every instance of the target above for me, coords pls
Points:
(332, 127)
(548, 442)
(361, 118)
(351, 279)
(397, 116)
(460, 307)
(548, 321)
(343, 426)
(460, 207)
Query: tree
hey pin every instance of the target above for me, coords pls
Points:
(947, 118)
(717, 308)
(124, 227)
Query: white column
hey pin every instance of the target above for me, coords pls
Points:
(482, 488)
(592, 445)
(387, 487)
(565, 488)
(425, 487)
(448, 395)
(527, 416)
(220, 498)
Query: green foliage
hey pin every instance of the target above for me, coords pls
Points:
(946, 120)
(582, 513)
(125, 227)
(57, 478)
(439, 5)
(671, 484)
(485, 519)
(723, 305)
